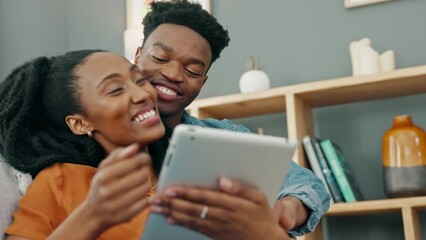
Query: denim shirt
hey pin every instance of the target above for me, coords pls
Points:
(299, 182)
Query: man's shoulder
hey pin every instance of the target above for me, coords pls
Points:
(214, 123)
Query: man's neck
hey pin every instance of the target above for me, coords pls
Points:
(173, 120)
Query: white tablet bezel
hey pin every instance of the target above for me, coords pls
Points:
(198, 156)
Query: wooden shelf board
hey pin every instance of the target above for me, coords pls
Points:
(242, 105)
(402, 82)
(376, 206)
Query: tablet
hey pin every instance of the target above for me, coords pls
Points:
(198, 156)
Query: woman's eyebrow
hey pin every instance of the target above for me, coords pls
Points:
(116, 75)
(111, 76)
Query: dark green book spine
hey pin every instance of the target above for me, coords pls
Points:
(328, 174)
(339, 168)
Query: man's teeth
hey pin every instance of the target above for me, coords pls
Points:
(143, 116)
(166, 91)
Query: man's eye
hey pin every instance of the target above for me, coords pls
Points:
(140, 81)
(161, 60)
(192, 73)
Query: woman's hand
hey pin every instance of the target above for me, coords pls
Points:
(118, 189)
(117, 194)
(236, 212)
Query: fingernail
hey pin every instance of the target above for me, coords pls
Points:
(170, 193)
(171, 221)
(155, 200)
(156, 209)
(225, 183)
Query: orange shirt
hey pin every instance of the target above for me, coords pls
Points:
(53, 195)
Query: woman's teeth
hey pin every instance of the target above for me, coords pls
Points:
(146, 115)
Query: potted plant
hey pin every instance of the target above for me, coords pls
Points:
(254, 79)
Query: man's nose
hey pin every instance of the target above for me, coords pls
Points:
(174, 71)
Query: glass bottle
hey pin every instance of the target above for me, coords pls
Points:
(404, 158)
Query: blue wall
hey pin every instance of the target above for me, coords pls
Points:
(297, 41)
(30, 29)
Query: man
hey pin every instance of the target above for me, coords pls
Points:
(181, 41)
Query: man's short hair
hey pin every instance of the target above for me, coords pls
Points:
(191, 15)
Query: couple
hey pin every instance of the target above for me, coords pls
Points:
(81, 123)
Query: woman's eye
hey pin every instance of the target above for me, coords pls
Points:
(115, 91)
(158, 59)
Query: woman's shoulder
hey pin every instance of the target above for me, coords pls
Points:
(66, 169)
(61, 176)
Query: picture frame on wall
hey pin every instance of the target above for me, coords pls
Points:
(135, 12)
(137, 9)
(359, 3)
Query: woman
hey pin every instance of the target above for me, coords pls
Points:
(78, 123)
(62, 117)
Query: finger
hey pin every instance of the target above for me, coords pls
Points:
(276, 211)
(127, 199)
(206, 197)
(195, 216)
(239, 189)
(119, 154)
(122, 168)
(125, 183)
(131, 211)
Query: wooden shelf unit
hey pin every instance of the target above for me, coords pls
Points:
(408, 207)
(298, 101)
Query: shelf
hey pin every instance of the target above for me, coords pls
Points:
(242, 105)
(298, 102)
(376, 206)
(401, 82)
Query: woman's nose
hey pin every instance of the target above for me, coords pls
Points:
(139, 94)
(174, 71)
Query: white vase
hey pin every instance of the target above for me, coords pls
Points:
(253, 81)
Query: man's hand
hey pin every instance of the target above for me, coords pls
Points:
(236, 212)
(290, 212)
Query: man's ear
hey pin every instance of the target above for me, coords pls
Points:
(78, 124)
(138, 55)
(205, 79)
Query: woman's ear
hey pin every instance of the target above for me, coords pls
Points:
(78, 124)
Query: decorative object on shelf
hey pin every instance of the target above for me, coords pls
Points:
(404, 158)
(359, 3)
(365, 60)
(254, 79)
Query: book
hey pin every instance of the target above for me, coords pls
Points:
(341, 171)
(327, 172)
(314, 163)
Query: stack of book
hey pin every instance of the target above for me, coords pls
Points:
(328, 163)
